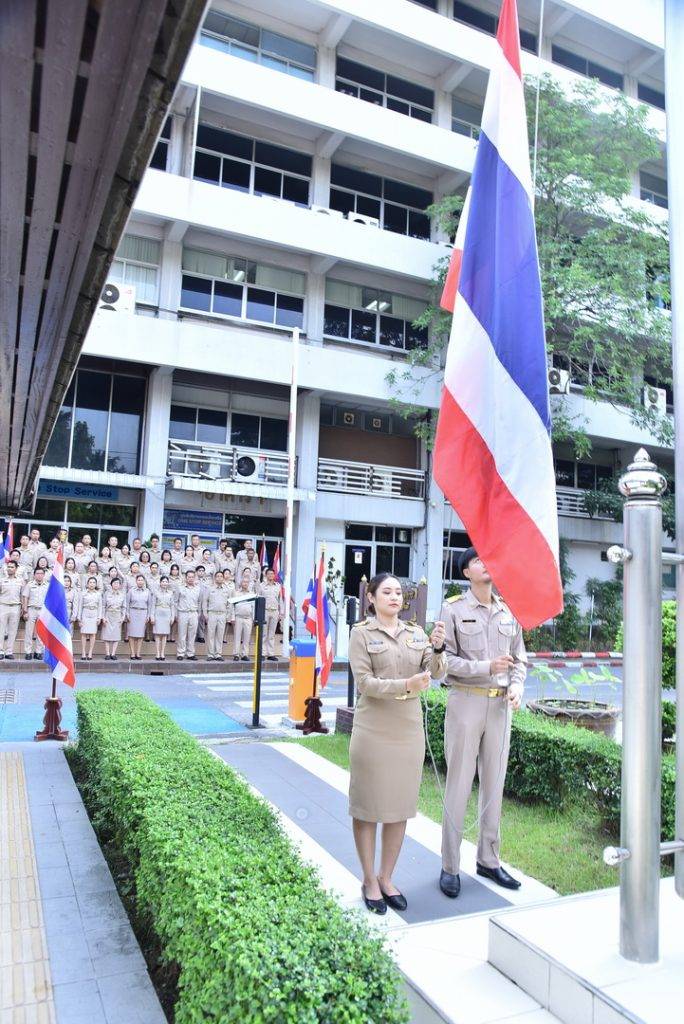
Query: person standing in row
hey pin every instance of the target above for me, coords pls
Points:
(90, 613)
(392, 662)
(105, 562)
(114, 612)
(196, 547)
(71, 573)
(175, 582)
(36, 545)
(155, 548)
(487, 665)
(124, 560)
(51, 552)
(177, 550)
(137, 615)
(244, 619)
(241, 558)
(162, 615)
(71, 595)
(188, 615)
(165, 562)
(11, 587)
(216, 608)
(32, 600)
(92, 572)
(250, 564)
(270, 590)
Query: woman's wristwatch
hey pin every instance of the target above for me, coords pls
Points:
(439, 650)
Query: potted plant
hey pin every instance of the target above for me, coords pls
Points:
(593, 714)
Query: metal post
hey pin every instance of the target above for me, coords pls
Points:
(260, 619)
(674, 56)
(289, 508)
(352, 617)
(643, 486)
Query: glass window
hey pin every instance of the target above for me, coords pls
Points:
(228, 298)
(385, 90)
(182, 424)
(565, 473)
(399, 208)
(57, 453)
(583, 66)
(47, 509)
(249, 42)
(196, 293)
(249, 165)
(260, 305)
(489, 23)
(402, 557)
(211, 426)
(289, 311)
(373, 316)
(357, 531)
(161, 150)
(90, 421)
(234, 174)
(137, 263)
(336, 323)
(125, 427)
(244, 430)
(273, 434)
(653, 96)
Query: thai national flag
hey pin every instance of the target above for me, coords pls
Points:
(306, 603)
(53, 626)
(263, 555)
(7, 542)
(493, 450)
(319, 616)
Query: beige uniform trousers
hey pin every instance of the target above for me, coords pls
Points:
(477, 733)
(9, 624)
(270, 632)
(242, 628)
(216, 627)
(32, 644)
(187, 631)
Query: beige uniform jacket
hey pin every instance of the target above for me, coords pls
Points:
(272, 593)
(217, 599)
(382, 663)
(475, 635)
(34, 594)
(11, 591)
(189, 599)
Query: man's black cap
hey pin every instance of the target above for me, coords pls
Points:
(465, 558)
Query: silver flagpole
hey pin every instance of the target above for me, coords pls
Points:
(674, 61)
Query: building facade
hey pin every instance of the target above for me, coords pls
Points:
(288, 190)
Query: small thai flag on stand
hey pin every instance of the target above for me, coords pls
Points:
(53, 626)
(7, 542)
(263, 555)
(306, 604)
(319, 614)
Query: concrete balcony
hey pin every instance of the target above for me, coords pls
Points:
(277, 223)
(570, 502)
(228, 469)
(364, 478)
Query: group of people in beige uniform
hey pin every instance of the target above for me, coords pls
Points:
(476, 649)
(182, 593)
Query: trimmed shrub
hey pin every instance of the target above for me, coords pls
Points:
(240, 917)
(557, 764)
(669, 643)
(669, 719)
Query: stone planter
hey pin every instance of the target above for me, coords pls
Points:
(344, 719)
(593, 715)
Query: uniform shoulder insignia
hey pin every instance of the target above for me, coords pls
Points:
(454, 597)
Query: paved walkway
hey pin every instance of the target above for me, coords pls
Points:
(68, 954)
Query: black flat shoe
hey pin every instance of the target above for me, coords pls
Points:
(375, 906)
(396, 902)
(498, 875)
(450, 884)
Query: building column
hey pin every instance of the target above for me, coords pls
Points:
(304, 532)
(315, 305)
(320, 181)
(429, 545)
(170, 274)
(154, 455)
(327, 63)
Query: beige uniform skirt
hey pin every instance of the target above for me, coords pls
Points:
(386, 757)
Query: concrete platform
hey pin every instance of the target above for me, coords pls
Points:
(566, 957)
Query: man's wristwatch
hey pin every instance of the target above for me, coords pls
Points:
(439, 650)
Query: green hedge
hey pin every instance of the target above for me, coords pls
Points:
(669, 620)
(237, 913)
(556, 764)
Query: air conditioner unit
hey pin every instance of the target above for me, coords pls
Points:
(348, 418)
(118, 298)
(361, 218)
(327, 211)
(248, 469)
(655, 398)
(378, 424)
(559, 381)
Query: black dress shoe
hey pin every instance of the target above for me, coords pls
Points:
(375, 906)
(449, 884)
(9, 657)
(396, 902)
(498, 875)
(28, 657)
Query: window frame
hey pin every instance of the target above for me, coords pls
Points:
(374, 345)
(245, 285)
(353, 88)
(229, 426)
(381, 199)
(259, 51)
(588, 62)
(125, 262)
(143, 416)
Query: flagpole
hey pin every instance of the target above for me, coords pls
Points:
(536, 105)
(289, 513)
(674, 56)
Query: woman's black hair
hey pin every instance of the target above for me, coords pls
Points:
(373, 586)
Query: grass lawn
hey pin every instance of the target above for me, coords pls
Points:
(561, 849)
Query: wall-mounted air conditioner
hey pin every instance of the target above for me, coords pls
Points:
(327, 211)
(117, 298)
(655, 398)
(559, 381)
(361, 218)
(247, 469)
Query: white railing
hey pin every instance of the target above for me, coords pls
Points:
(570, 502)
(365, 478)
(227, 462)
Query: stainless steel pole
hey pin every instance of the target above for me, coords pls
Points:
(642, 485)
(289, 505)
(674, 61)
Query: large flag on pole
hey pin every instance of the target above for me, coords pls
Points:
(492, 455)
(319, 617)
(53, 626)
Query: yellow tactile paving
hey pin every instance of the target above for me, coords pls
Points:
(25, 986)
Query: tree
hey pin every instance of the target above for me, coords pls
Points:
(604, 264)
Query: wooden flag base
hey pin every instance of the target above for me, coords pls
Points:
(312, 721)
(53, 719)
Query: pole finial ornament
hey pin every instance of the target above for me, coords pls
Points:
(642, 478)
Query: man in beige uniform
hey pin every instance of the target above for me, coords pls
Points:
(215, 608)
(36, 546)
(270, 590)
(188, 615)
(32, 600)
(11, 587)
(486, 671)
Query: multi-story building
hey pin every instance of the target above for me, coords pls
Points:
(288, 189)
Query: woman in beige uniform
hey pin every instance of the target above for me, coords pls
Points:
(391, 661)
(89, 616)
(114, 610)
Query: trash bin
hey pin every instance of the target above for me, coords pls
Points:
(302, 663)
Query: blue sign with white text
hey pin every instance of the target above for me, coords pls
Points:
(84, 492)
(182, 520)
